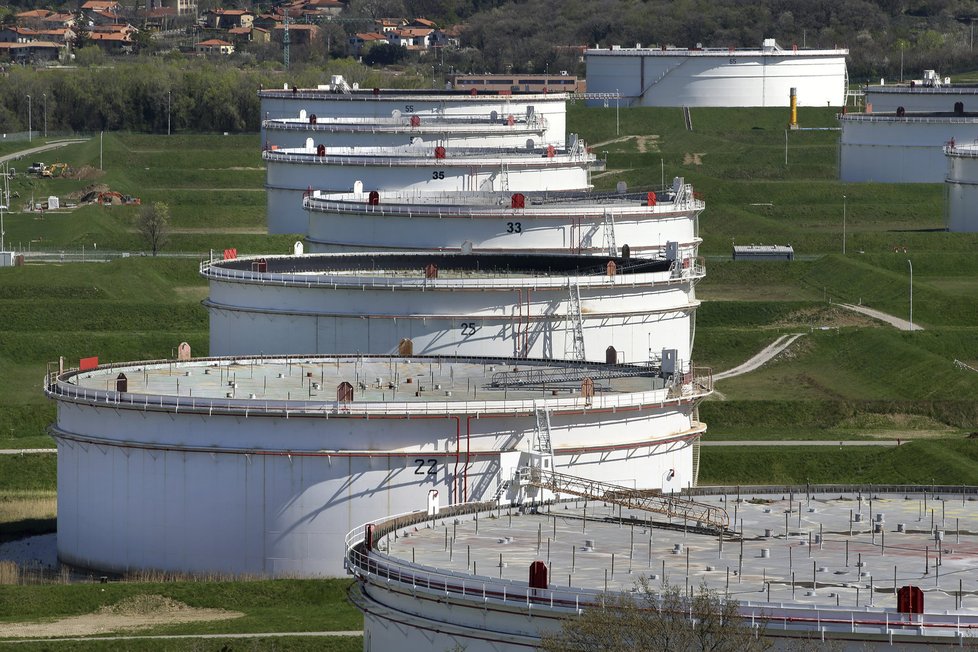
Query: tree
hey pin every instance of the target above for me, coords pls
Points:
(652, 620)
(154, 225)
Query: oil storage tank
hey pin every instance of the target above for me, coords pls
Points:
(961, 188)
(723, 77)
(526, 305)
(293, 174)
(261, 465)
(642, 222)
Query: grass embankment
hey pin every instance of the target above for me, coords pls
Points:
(858, 378)
(285, 605)
(271, 644)
(918, 462)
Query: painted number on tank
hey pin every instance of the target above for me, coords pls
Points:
(438, 174)
(426, 466)
(733, 60)
(514, 227)
(409, 108)
(469, 328)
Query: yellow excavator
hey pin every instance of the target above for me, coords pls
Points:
(57, 170)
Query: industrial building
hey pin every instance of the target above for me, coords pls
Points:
(723, 77)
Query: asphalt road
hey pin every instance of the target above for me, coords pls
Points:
(41, 148)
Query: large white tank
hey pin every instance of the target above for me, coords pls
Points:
(961, 188)
(900, 148)
(526, 305)
(930, 94)
(261, 466)
(724, 77)
(480, 130)
(336, 100)
(292, 174)
(589, 223)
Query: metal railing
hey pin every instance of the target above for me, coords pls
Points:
(59, 386)
(386, 571)
(378, 125)
(495, 204)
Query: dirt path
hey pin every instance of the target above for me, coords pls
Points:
(644, 144)
(137, 612)
(896, 322)
(766, 355)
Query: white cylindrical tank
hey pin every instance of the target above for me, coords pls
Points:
(526, 305)
(262, 465)
(724, 77)
(590, 223)
(292, 174)
(920, 98)
(483, 130)
(900, 147)
(961, 188)
(328, 101)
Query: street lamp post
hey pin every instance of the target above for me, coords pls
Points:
(29, 130)
(44, 97)
(168, 113)
(911, 294)
(843, 225)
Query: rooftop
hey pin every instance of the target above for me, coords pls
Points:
(843, 548)
(311, 383)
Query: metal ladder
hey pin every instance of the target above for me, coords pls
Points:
(575, 323)
(544, 444)
(609, 233)
(504, 178)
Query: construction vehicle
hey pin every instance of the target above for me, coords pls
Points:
(37, 168)
(113, 198)
(57, 170)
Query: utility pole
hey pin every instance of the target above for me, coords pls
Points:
(30, 134)
(168, 113)
(843, 225)
(911, 294)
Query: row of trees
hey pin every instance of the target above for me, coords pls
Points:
(145, 94)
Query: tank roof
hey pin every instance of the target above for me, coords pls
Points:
(422, 94)
(948, 117)
(558, 203)
(335, 267)
(785, 540)
(424, 154)
(310, 382)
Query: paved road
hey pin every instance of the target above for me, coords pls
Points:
(902, 324)
(7, 641)
(26, 451)
(804, 442)
(41, 148)
(765, 356)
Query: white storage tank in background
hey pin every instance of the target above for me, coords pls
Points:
(722, 77)
(961, 188)
(900, 147)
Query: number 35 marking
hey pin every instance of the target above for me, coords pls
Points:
(430, 462)
(438, 174)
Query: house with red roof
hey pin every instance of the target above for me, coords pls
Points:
(214, 46)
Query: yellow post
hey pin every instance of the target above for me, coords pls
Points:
(794, 109)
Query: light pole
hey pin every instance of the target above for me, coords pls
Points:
(44, 97)
(843, 225)
(29, 134)
(911, 294)
(168, 113)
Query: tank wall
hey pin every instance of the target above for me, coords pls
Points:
(512, 232)
(632, 337)
(125, 508)
(294, 139)
(892, 152)
(737, 80)
(961, 194)
(248, 318)
(929, 102)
